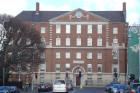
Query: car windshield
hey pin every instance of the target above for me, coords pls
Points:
(59, 82)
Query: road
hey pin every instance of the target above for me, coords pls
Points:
(78, 90)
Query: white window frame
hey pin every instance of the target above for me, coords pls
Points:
(99, 55)
(58, 55)
(78, 55)
(57, 67)
(89, 41)
(99, 41)
(68, 28)
(99, 66)
(115, 30)
(43, 30)
(78, 29)
(58, 41)
(67, 41)
(89, 55)
(89, 68)
(99, 29)
(58, 28)
(115, 40)
(67, 55)
(78, 41)
(89, 29)
(67, 66)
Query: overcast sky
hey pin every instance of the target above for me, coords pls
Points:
(14, 7)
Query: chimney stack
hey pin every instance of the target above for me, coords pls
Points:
(124, 10)
(124, 6)
(37, 7)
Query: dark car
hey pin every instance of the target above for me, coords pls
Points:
(69, 85)
(44, 87)
(134, 87)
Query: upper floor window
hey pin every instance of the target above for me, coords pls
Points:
(99, 29)
(78, 29)
(58, 41)
(57, 55)
(89, 29)
(99, 68)
(43, 29)
(115, 40)
(89, 41)
(89, 67)
(99, 55)
(67, 29)
(78, 55)
(67, 41)
(78, 41)
(58, 28)
(67, 66)
(57, 67)
(67, 55)
(89, 55)
(99, 41)
(115, 30)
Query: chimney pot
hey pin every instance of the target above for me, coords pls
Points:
(37, 6)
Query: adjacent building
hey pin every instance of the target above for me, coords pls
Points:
(90, 43)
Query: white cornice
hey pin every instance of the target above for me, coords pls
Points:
(79, 22)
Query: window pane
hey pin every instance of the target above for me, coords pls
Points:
(99, 55)
(57, 55)
(89, 41)
(78, 43)
(99, 42)
(58, 28)
(67, 41)
(78, 29)
(58, 41)
(43, 29)
(89, 55)
(68, 29)
(67, 55)
(99, 68)
(115, 30)
(99, 29)
(89, 29)
(78, 55)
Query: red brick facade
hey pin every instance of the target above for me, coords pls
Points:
(84, 18)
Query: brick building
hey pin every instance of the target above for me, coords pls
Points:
(90, 42)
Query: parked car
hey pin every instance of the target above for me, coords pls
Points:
(4, 89)
(13, 89)
(60, 86)
(119, 88)
(134, 87)
(44, 87)
(69, 85)
(108, 86)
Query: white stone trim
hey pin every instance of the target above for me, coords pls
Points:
(79, 23)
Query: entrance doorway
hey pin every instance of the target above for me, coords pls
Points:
(78, 79)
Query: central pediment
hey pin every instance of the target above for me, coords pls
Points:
(79, 15)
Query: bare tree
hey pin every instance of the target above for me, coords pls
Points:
(17, 43)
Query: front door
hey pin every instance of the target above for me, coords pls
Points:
(78, 81)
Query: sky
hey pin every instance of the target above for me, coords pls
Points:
(14, 7)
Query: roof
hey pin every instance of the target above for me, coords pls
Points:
(44, 16)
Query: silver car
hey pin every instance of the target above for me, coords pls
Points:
(60, 86)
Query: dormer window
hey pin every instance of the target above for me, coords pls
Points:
(78, 14)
